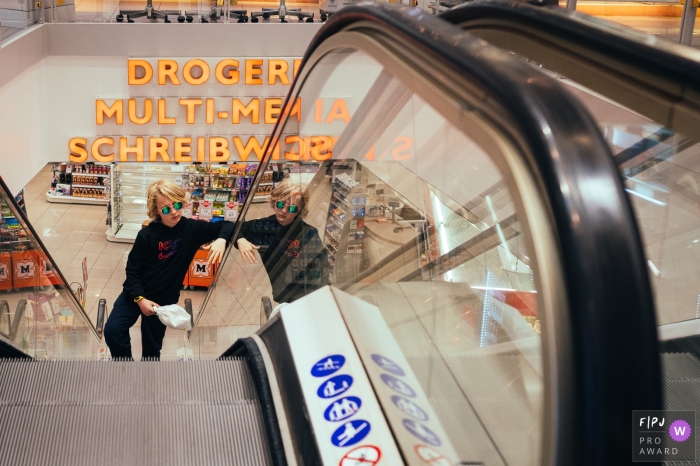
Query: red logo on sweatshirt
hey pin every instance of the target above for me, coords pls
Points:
(171, 246)
(291, 248)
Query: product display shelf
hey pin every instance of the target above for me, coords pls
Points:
(127, 208)
(211, 191)
(344, 230)
(79, 184)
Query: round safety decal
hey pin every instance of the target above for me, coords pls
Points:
(350, 433)
(334, 386)
(342, 409)
(388, 365)
(422, 432)
(366, 455)
(410, 408)
(430, 456)
(328, 365)
(398, 385)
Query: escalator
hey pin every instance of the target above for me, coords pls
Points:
(644, 94)
(475, 294)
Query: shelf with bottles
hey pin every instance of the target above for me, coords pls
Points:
(74, 183)
(8, 220)
(344, 232)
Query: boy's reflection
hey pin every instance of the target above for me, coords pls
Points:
(291, 250)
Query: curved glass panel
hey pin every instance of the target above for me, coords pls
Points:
(408, 210)
(661, 172)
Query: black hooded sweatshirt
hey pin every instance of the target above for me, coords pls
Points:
(161, 257)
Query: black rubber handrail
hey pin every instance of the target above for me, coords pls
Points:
(653, 77)
(248, 348)
(101, 314)
(13, 324)
(188, 309)
(606, 280)
(265, 309)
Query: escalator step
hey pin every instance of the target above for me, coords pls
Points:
(120, 413)
(680, 366)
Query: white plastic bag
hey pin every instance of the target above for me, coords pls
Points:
(174, 316)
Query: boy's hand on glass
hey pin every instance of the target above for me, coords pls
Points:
(247, 250)
(216, 250)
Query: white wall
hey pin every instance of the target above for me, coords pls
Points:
(24, 123)
(51, 75)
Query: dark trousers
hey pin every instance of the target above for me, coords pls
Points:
(124, 315)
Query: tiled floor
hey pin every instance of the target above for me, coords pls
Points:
(72, 233)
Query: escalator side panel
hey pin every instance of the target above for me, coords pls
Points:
(249, 348)
(275, 338)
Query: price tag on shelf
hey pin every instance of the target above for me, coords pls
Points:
(230, 211)
(187, 210)
(205, 210)
(178, 180)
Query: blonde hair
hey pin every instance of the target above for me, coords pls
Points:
(286, 189)
(166, 188)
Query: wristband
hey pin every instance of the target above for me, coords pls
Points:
(138, 298)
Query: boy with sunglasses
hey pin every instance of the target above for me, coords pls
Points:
(291, 250)
(156, 268)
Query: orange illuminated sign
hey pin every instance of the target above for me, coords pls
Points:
(153, 128)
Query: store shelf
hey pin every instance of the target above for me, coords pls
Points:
(126, 234)
(74, 200)
(88, 186)
(97, 175)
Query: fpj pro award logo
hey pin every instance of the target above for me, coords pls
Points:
(663, 436)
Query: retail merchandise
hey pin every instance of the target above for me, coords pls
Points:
(345, 227)
(21, 263)
(214, 193)
(86, 182)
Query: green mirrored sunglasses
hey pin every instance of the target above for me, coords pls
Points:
(292, 209)
(167, 209)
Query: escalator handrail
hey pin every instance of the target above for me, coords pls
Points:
(27, 226)
(634, 48)
(14, 323)
(565, 151)
(645, 62)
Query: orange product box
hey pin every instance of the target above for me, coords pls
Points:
(25, 270)
(201, 272)
(5, 271)
(47, 276)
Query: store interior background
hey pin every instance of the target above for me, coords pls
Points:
(52, 74)
(661, 18)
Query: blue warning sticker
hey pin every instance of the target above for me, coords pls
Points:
(342, 409)
(388, 365)
(350, 433)
(398, 386)
(410, 408)
(422, 432)
(335, 386)
(328, 365)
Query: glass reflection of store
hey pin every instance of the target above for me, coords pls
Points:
(39, 312)
(418, 219)
(660, 170)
